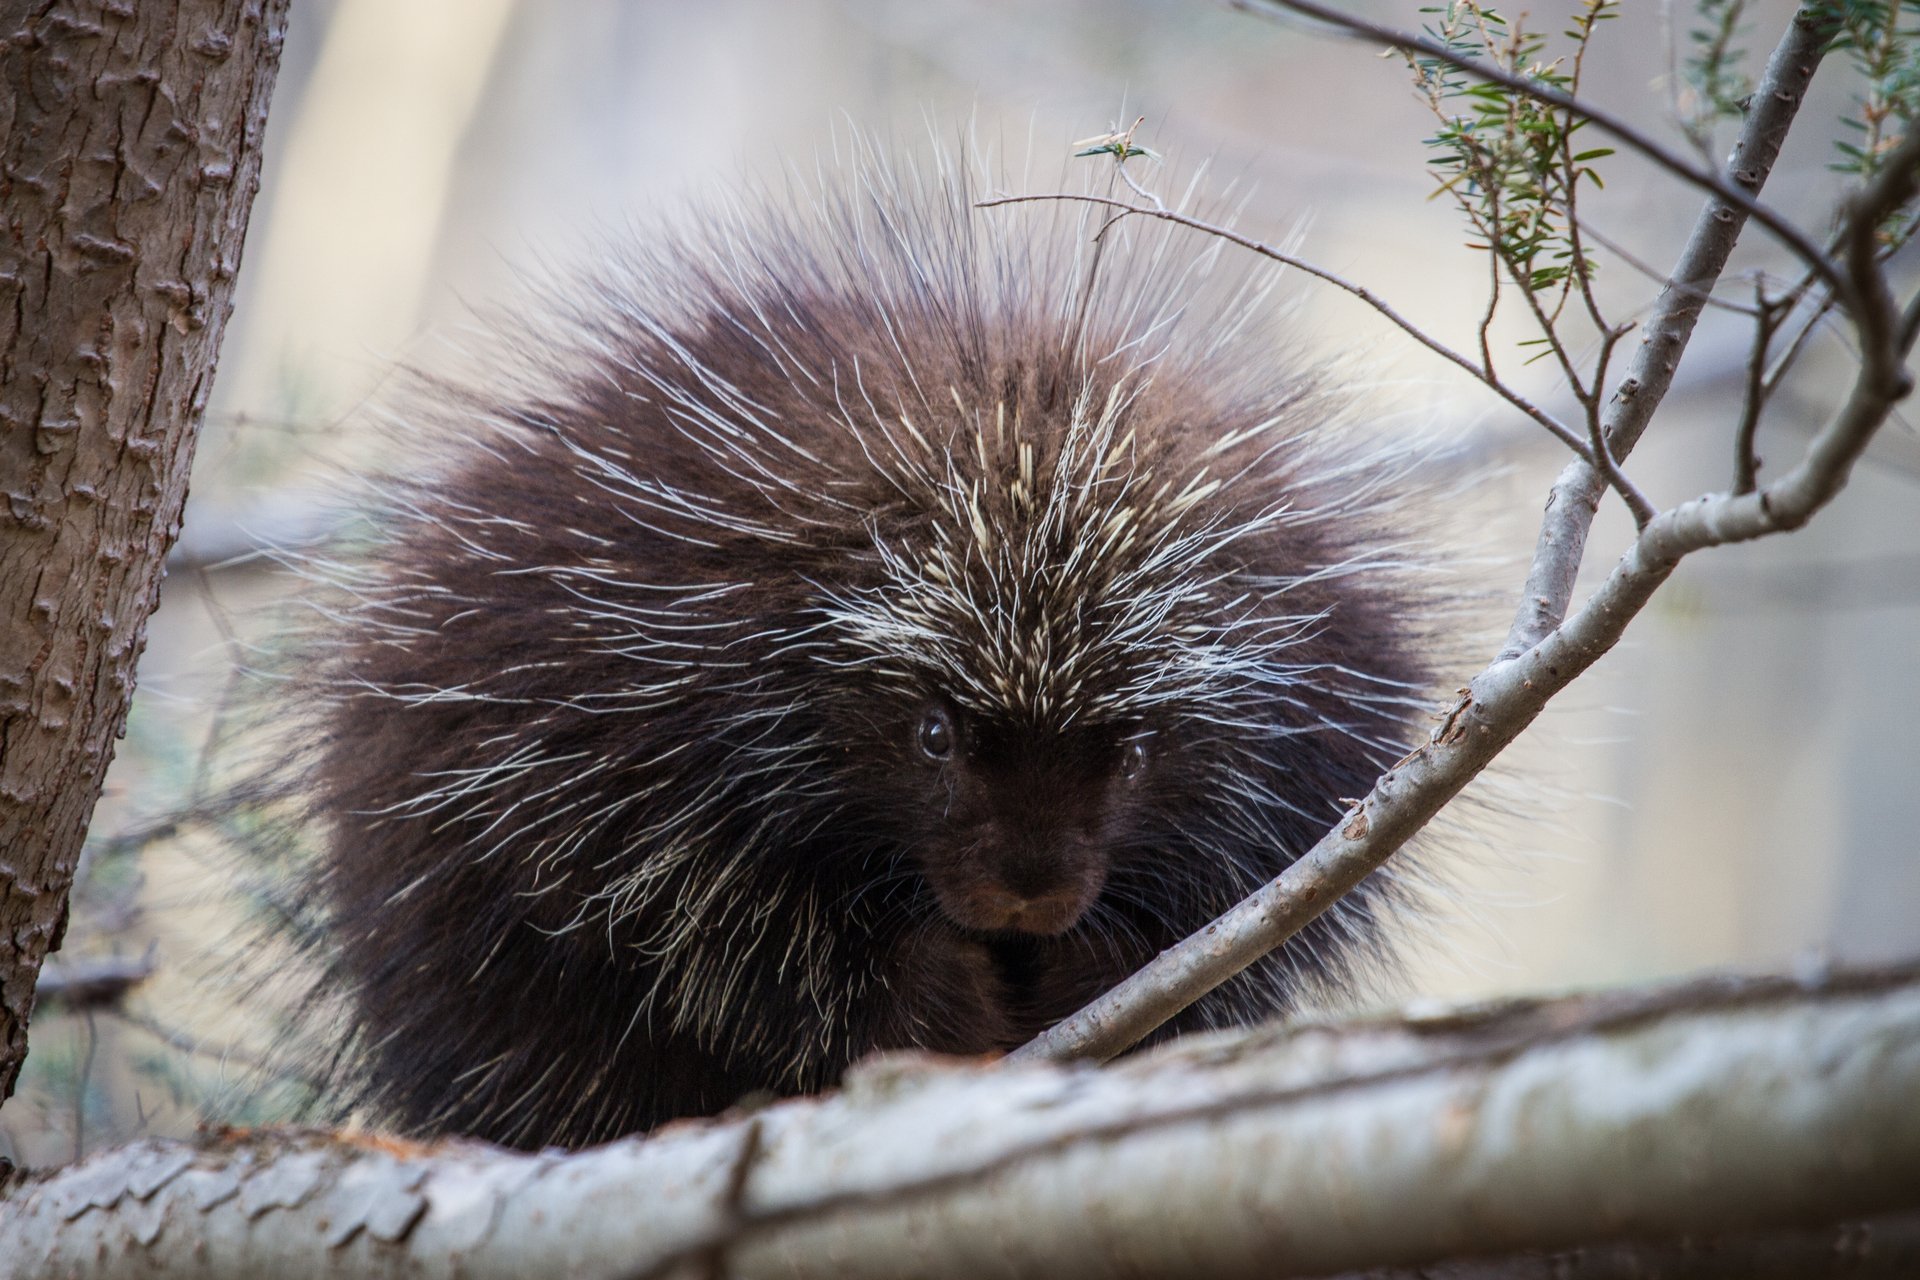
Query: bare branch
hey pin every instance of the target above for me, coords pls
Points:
(1508, 695)
(1576, 493)
(87, 984)
(1746, 463)
(1501, 702)
(1823, 307)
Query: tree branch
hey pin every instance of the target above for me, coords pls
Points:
(1500, 703)
(1740, 1110)
(1731, 189)
(1506, 697)
(88, 984)
(1746, 463)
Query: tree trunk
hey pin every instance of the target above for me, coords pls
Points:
(132, 154)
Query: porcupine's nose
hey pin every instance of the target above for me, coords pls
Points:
(1043, 885)
(1046, 913)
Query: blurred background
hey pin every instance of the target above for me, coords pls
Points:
(1734, 787)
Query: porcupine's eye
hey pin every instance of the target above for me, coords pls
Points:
(1133, 760)
(936, 734)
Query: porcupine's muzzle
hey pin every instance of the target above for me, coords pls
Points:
(1039, 883)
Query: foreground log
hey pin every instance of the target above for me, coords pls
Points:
(1720, 1122)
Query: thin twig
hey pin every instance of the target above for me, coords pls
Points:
(1746, 464)
(1597, 454)
(1548, 333)
(1798, 343)
(1493, 306)
(1576, 239)
(1653, 273)
(1558, 429)
(222, 1054)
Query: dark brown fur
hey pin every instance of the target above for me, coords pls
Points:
(628, 791)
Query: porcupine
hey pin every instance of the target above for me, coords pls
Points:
(868, 623)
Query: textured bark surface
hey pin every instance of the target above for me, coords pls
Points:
(132, 155)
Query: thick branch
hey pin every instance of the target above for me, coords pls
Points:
(1735, 1110)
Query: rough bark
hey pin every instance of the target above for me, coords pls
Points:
(1689, 1131)
(132, 154)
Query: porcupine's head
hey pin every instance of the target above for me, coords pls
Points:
(1073, 648)
(826, 581)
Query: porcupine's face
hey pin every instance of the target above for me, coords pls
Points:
(1018, 823)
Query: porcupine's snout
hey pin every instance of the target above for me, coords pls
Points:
(1029, 880)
